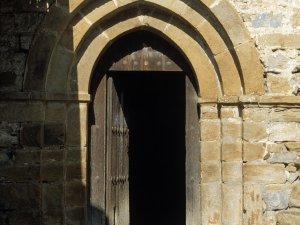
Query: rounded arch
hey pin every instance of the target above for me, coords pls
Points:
(216, 45)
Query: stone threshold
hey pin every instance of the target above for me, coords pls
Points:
(47, 96)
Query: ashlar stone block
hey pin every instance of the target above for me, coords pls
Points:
(254, 151)
(210, 172)
(264, 173)
(284, 132)
(210, 151)
(232, 151)
(209, 112)
(232, 204)
(253, 205)
(232, 172)
(52, 196)
(255, 114)
(210, 130)
(75, 194)
(31, 135)
(76, 133)
(211, 207)
(231, 130)
(254, 131)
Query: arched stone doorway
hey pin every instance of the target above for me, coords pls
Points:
(144, 125)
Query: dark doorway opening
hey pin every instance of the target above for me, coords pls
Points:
(154, 108)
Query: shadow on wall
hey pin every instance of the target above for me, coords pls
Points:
(43, 146)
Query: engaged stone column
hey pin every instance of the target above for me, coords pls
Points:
(232, 161)
(210, 158)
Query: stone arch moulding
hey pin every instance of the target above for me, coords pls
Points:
(209, 33)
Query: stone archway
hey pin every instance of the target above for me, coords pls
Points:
(155, 66)
(209, 34)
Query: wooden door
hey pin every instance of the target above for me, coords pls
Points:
(109, 184)
(117, 166)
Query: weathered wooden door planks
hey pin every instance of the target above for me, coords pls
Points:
(117, 175)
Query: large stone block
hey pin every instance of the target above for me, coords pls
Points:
(269, 218)
(76, 154)
(232, 204)
(209, 112)
(75, 194)
(31, 135)
(251, 68)
(254, 151)
(26, 156)
(232, 172)
(264, 173)
(211, 207)
(52, 155)
(76, 170)
(284, 132)
(231, 21)
(210, 130)
(230, 112)
(54, 134)
(210, 172)
(210, 151)
(232, 151)
(288, 218)
(76, 125)
(25, 218)
(255, 114)
(20, 195)
(53, 216)
(57, 77)
(53, 197)
(254, 131)
(52, 172)
(21, 111)
(76, 215)
(213, 39)
(55, 111)
(231, 80)
(253, 205)
(36, 69)
(20, 173)
(231, 130)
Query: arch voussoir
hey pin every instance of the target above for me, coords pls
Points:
(219, 67)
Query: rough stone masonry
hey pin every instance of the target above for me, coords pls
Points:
(250, 131)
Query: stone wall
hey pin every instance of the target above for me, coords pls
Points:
(40, 175)
(249, 162)
(250, 145)
(275, 27)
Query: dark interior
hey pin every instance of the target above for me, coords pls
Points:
(154, 106)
